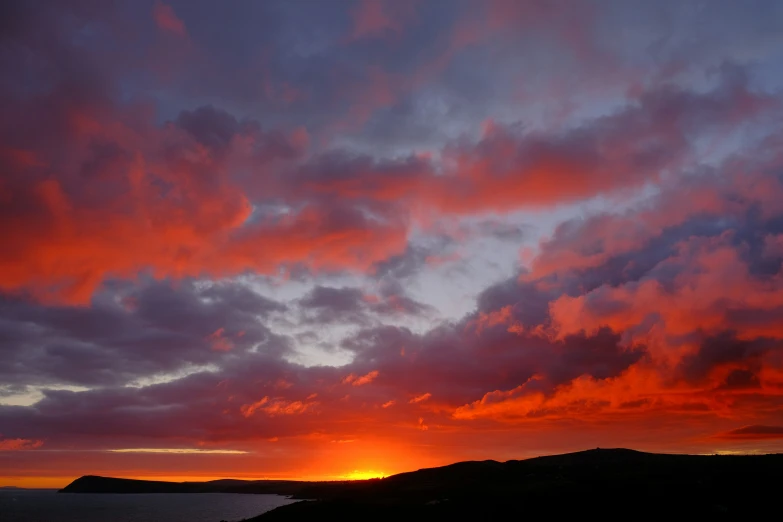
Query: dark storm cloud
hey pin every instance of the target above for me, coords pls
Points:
(403, 265)
(439, 245)
(208, 406)
(333, 305)
(132, 333)
(215, 128)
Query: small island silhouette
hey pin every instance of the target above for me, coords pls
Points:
(616, 484)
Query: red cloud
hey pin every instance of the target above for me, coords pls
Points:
(370, 18)
(167, 20)
(249, 409)
(361, 380)
(497, 317)
(755, 432)
(283, 407)
(277, 406)
(508, 169)
(219, 342)
(420, 398)
(712, 280)
(654, 324)
(165, 202)
(19, 444)
(167, 199)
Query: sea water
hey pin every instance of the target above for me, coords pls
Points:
(28, 505)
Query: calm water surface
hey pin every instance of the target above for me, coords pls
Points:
(50, 506)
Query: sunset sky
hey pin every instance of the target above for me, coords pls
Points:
(327, 239)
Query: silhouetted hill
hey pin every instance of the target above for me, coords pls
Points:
(614, 484)
(609, 484)
(96, 484)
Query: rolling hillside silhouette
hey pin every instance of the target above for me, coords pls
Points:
(615, 484)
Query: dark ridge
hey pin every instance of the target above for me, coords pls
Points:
(614, 484)
(96, 484)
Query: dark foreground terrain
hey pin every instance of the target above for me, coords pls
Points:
(613, 484)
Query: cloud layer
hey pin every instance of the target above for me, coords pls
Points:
(474, 227)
